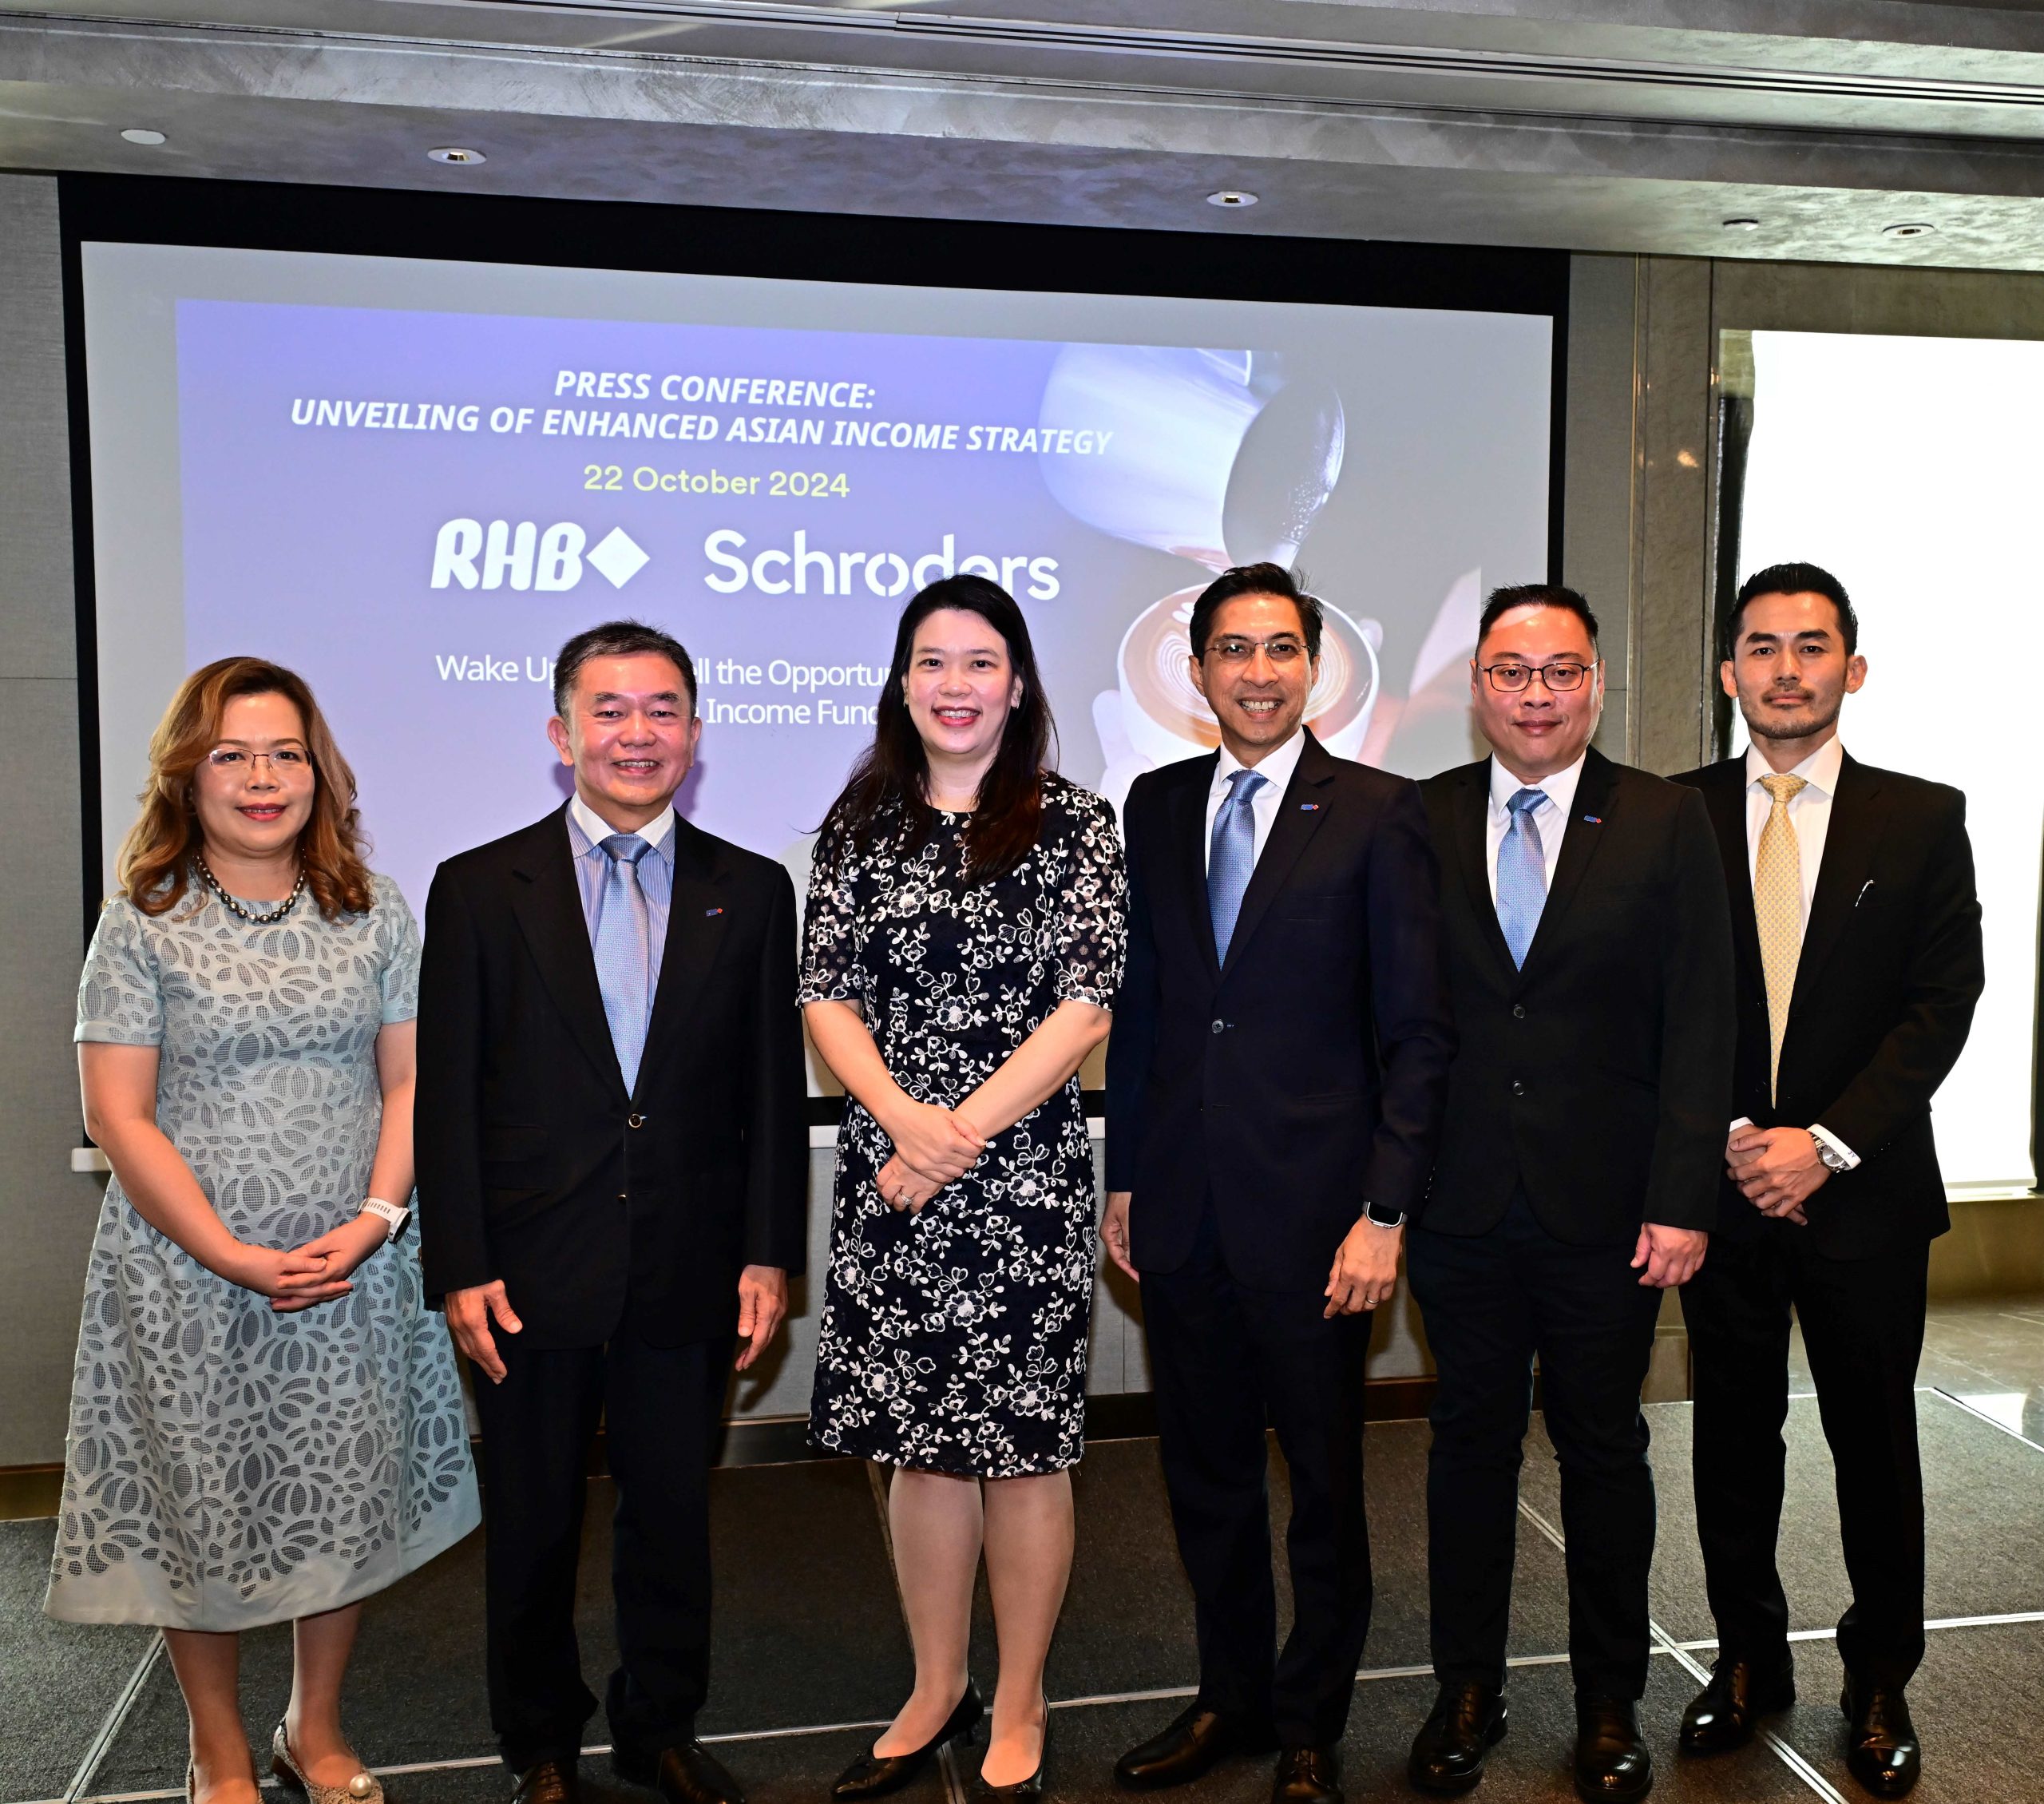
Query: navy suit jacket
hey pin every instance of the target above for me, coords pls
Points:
(1302, 1077)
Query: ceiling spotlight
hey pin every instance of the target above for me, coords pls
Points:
(1742, 225)
(138, 134)
(1909, 228)
(1230, 197)
(455, 153)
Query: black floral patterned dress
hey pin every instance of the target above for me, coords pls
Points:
(953, 1339)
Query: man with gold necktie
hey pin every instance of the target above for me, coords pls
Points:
(1858, 935)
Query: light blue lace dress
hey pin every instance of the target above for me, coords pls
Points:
(228, 1466)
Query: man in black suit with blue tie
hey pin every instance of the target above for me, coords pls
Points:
(613, 1173)
(1273, 1090)
(1590, 962)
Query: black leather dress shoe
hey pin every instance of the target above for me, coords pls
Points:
(874, 1775)
(1306, 1775)
(1467, 1721)
(1198, 1739)
(548, 1782)
(1881, 1749)
(687, 1773)
(1611, 1761)
(1725, 1713)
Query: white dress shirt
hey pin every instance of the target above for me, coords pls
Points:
(1550, 816)
(1277, 768)
(1809, 813)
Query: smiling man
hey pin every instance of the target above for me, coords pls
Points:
(1589, 959)
(1860, 962)
(612, 1172)
(1273, 1090)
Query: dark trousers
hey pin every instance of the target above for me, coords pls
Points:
(660, 1407)
(1862, 1329)
(1226, 1362)
(1492, 1303)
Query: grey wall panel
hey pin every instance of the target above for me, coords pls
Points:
(47, 1211)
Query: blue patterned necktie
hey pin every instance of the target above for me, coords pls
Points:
(1231, 856)
(623, 945)
(1522, 874)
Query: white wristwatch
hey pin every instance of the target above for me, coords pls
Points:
(395, 1216)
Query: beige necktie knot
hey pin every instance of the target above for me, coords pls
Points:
(1778, 910)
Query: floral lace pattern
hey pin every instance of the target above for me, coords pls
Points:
(954, 1340)
(229, 1466)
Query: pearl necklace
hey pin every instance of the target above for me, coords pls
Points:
(227, 901)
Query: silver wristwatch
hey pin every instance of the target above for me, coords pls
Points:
(1833, 1159)
(1383, 1218)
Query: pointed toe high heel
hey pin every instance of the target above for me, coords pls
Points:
(1033, 1787)
(874, 1775)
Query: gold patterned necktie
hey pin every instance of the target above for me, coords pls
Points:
(1778, 911)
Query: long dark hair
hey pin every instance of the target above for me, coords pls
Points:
(889, 788)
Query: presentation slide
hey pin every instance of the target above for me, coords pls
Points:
(412, 481)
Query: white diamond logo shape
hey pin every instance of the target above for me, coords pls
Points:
(618, 557)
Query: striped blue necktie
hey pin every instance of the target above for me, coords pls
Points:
(623, 942)
(1522, 874)
(1231, 856)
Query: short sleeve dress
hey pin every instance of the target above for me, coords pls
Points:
(953, 1340)
(228, 1466)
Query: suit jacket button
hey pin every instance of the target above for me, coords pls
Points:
(1518, 1089)
(1220, 1026)
(635, 1120)
(624, 1196)
(1518, 1011)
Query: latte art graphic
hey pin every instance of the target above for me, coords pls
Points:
(1167, 718)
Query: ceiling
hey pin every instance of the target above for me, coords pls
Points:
(1589, 124)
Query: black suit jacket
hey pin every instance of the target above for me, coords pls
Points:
(597, 1208)
(1303, 1077)
(1891, 968)
(1599, 1076)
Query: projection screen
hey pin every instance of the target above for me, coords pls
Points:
(412, 480)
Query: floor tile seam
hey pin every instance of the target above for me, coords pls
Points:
(1981, 1415)
(1788, 1756)
(114, 1720)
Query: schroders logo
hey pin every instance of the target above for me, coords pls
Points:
(521, 555)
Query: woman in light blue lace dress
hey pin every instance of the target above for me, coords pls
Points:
(266, 1421)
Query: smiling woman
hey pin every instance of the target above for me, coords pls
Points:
(247, 1058)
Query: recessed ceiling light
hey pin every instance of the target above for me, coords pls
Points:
(455, 153)
(1742, 225)
(138, 134)
(1909, 228)
(1230, 197)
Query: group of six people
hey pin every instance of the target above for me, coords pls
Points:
(1564, 1034)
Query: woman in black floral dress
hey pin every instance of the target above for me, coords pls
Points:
(963, 942)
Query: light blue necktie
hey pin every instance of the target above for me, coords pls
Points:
(1231, 856)
(1522, 874)
(623, 942)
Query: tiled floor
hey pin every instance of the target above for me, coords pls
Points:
(810, 1650)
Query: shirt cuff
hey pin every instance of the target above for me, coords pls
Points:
(1838, 1146)
(1743, 1121)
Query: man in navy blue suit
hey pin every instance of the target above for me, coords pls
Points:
(1274, 1084)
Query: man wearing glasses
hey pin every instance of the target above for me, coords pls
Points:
(1274, 1083)
(1589, 947)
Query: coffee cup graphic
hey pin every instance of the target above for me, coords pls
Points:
(1166, 719)
(1218, 456)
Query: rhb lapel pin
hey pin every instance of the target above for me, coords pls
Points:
(1594, 820)
(1308, 807)
(708, 912)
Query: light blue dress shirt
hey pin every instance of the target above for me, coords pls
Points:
(586, 830)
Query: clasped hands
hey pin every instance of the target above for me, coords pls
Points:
(300, 1278)
(933, 1146)
(1776, 1169)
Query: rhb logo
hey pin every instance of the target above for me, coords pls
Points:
(520, 555)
